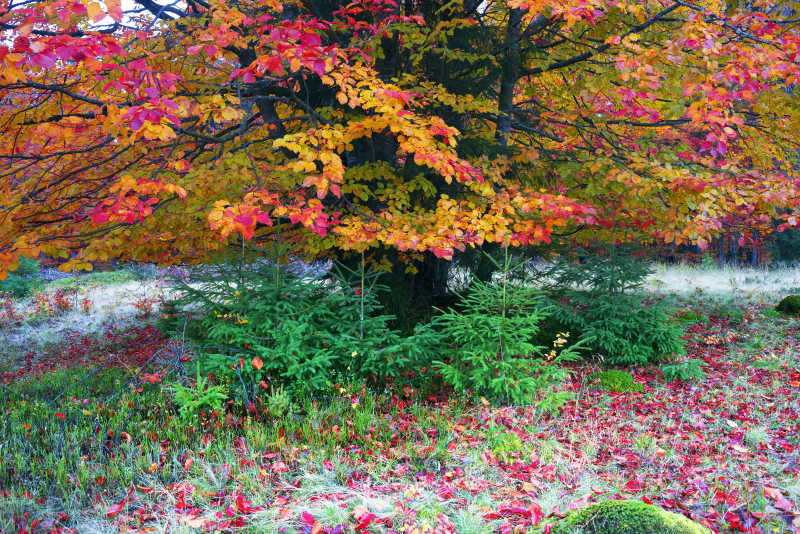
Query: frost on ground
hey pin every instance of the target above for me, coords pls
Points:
(94, 306)
(736, 281)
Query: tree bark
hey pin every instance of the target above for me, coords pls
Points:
(509, 76)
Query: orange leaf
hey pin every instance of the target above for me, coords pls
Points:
(114, 9)
(257, 363)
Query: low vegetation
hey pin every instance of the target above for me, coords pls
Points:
(184, 426)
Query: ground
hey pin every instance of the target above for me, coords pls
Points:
(90, 441)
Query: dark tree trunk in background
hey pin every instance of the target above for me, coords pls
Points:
(412, 295)
(754, 257)
(509, 75)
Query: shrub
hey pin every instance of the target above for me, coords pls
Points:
(202, 396)
(615, 380)
(258, 327)
(789, 305)
(488, 343)
(685, 370)
(24, 280)
(626, 517)
(599, 299)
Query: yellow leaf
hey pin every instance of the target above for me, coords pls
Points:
(95, 12)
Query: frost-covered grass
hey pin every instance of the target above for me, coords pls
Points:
(736, 281)
(93, 306)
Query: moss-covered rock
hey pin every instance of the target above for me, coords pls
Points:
(790, 304)
(626, 517)
(614, 380)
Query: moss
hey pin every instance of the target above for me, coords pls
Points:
(626, 517)
(614, 380)
(690, 317)
(790, 304)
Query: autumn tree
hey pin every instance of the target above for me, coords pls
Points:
(411, 132)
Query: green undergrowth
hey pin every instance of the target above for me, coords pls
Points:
(256, 327)
(71, 437)
(259, 329)
(616, 381)
(99, 278)
(77, 442)
(600, 299)
(22, 281)
(689, 316)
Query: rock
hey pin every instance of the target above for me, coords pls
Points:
(626, 517)
(790, 305)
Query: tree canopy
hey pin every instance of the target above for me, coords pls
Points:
(167, 131)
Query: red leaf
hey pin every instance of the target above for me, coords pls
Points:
(536, 514)
(633, 485)
(784, 504)
(363, 516)
(151, 378)
(307, 518)
(115, 509)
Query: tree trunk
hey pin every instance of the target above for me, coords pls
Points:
(509, 76)
(411, 296)
(754, 257)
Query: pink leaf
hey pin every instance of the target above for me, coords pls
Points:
(307, 518)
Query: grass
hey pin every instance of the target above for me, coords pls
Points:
(91, 440)
(752, 282)
(99, 278)
(91, 310)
